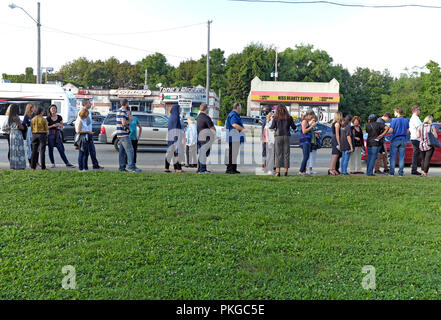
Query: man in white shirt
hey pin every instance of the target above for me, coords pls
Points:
(414, 123)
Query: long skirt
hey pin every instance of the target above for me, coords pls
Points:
(17, 151)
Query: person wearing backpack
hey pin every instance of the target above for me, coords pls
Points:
(423, 133)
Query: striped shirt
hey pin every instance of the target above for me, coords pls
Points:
(424, 130)
(121, 114)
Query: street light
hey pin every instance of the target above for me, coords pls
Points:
(13, 6)
(47, 69)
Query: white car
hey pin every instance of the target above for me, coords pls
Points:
(221, 133)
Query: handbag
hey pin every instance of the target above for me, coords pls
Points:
(76, 139)
(431, 140)
(24, 131)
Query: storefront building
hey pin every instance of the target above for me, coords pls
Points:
(299, 97)
(158, 101)
(190, 100)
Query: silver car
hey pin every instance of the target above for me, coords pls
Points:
(154, 129)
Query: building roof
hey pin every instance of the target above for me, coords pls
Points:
(290, 86)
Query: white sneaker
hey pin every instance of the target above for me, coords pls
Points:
(53, 165)
(312, 172)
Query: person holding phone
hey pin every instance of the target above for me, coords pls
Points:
(346, 144)
(308, 124)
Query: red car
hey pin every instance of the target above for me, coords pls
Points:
(436, 158)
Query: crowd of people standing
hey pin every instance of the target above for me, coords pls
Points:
(192, 145)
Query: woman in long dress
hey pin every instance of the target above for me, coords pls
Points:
(17, 150)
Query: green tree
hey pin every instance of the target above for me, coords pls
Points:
(241, 68)
(430, 91)
(159, 70)
(184, 74)
(305, 64)
(403, 94)
(28, 77)
(217, 71)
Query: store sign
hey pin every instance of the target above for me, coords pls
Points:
(130, 93)
(175, 97)
(293, 97)
(185, 104)
(182, 90)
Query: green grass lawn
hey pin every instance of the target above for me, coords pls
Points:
(159, 236)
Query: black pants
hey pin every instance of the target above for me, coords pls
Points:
(426, 156)
(337, 164)
(39, 141)
(416, 157)
(176, 165)
(202, 165)
(233, 152)
(135, 149)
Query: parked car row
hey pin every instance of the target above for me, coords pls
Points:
(68, 132)
(155, 127)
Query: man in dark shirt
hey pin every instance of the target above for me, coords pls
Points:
(382, 152)
(206, 137)
(376, 131)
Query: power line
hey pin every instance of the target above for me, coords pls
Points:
(346, 4)
(109, 43)
(143, 32)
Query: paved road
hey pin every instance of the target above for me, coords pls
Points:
(152, 159)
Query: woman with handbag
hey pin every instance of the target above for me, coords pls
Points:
(55, 124)
(17, 152)
(83, 137)
(427, 134)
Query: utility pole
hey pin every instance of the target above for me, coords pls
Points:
(13, 6)
(39, 46)
(146, 84)
(208, 64)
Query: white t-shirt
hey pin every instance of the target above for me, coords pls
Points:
(414, 123)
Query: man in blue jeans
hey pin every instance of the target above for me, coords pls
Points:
(399, 128)
(376, 131)
(125, 143)
(86, 105)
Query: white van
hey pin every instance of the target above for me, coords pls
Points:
(40, 95)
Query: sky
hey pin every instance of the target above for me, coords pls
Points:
(393, 39)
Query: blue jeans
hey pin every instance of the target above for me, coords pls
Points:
(372, 157)
(126, 154)
(53, 143)
(400, 146)
(83, 157)
(346, 155)
(306, 148)
(92, 152)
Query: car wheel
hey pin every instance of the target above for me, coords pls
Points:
(326, 142)
(116, 144)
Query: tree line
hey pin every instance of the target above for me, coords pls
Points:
(363, 91)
